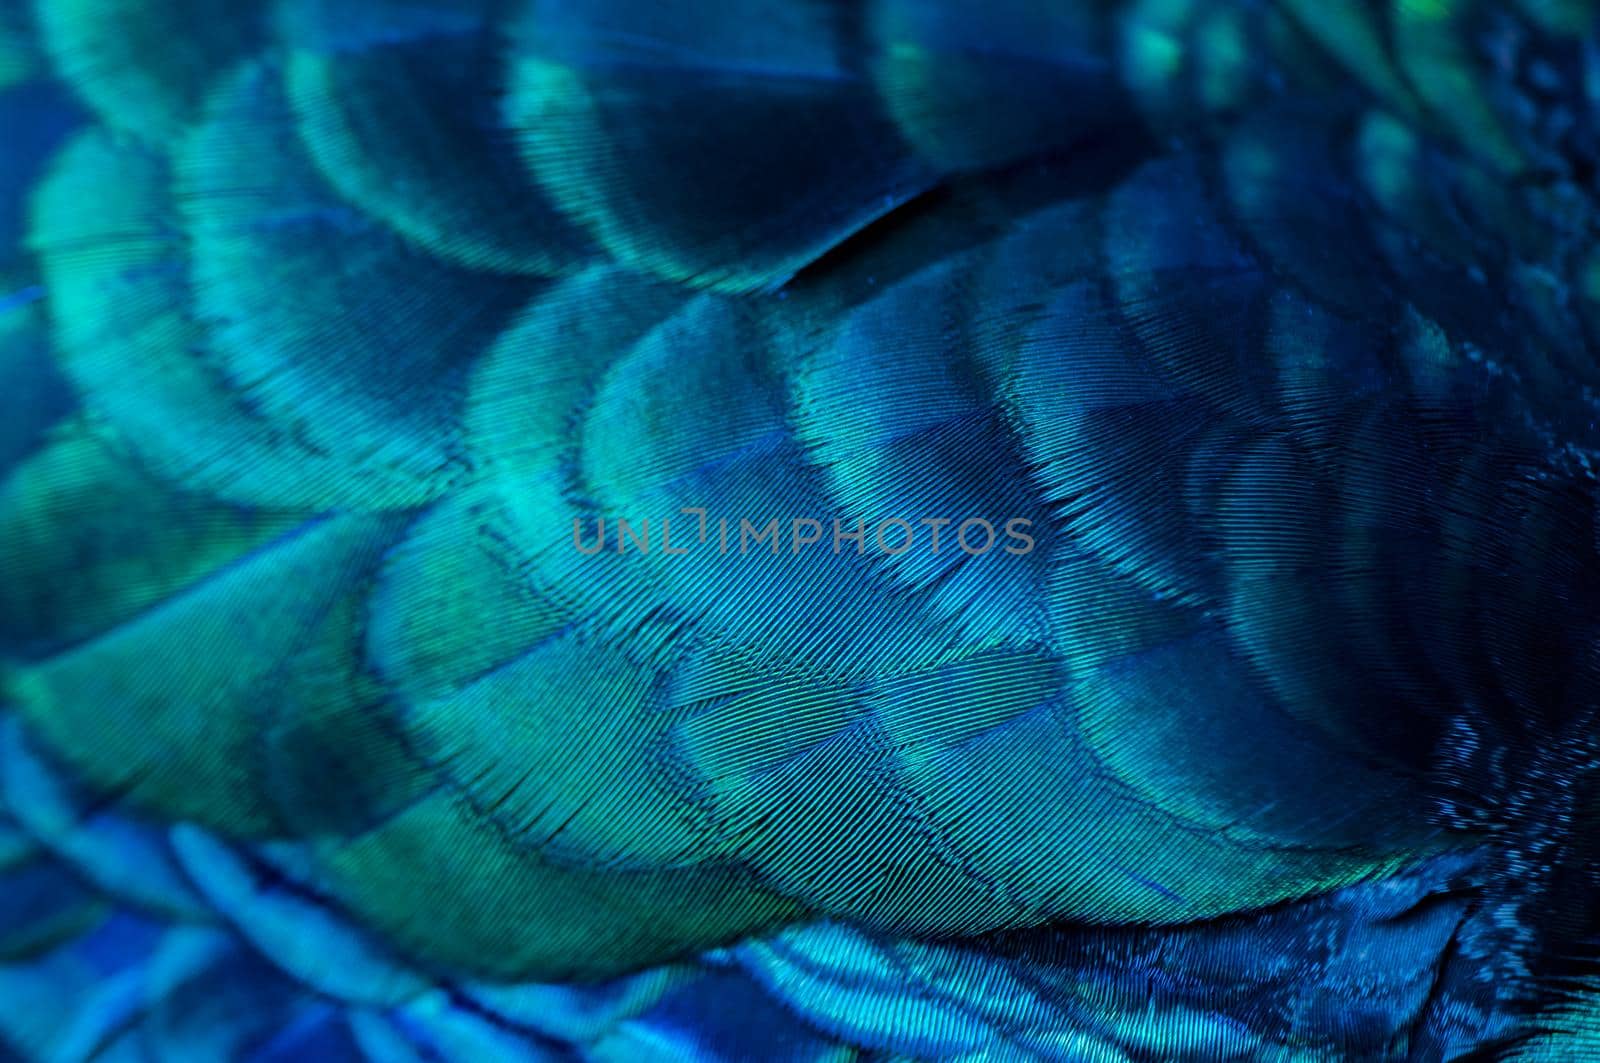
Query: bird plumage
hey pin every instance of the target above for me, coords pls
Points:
(339, 326)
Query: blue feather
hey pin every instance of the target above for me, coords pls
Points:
(488, 505)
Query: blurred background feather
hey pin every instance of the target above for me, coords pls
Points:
(322, 322)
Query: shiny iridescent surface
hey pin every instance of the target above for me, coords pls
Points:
(332, 331)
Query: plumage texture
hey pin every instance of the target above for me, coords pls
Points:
(334, 333)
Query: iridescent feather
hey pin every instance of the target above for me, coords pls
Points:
(333, 331)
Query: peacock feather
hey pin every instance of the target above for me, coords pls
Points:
(818, 530)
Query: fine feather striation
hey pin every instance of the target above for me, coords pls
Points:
(1265, 319)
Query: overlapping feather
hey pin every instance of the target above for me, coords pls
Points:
(1274, 321)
